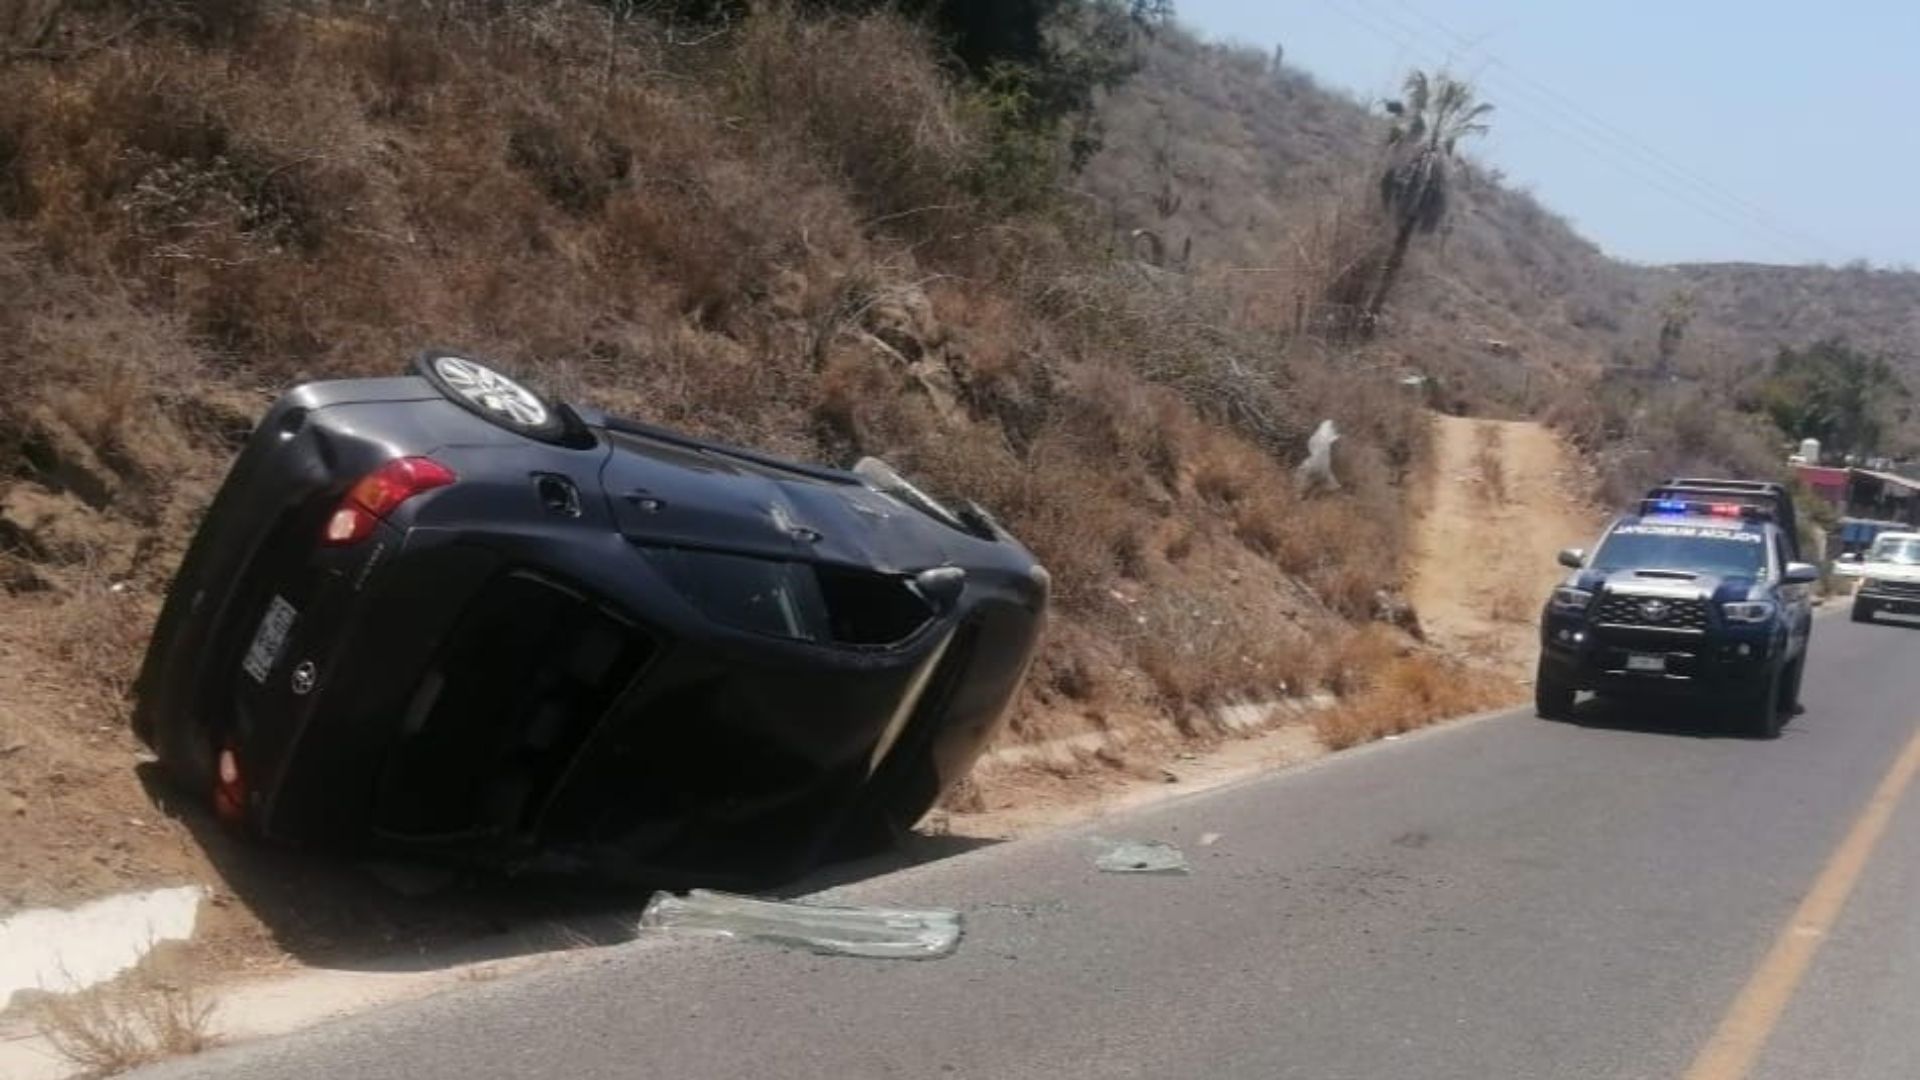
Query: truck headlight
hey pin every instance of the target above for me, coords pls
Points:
(1568, 600)
(1748, 611)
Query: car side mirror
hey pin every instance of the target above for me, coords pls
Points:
(1573, 558)
(1850, 557)
(1799, 573)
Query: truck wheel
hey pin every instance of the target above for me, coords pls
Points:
(1790, 689)
(1552, 695)
(1760, 713)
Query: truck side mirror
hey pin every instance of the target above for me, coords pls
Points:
(1573, 558)
(1799, 573)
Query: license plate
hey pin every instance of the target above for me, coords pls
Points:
(269, 639)
(1643, 662)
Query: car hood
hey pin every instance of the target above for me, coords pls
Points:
(1889, 571)
(686, 494)
(1718, 588)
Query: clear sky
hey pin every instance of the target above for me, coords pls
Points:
(1674, 131)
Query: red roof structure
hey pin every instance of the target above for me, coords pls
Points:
(1829, 483)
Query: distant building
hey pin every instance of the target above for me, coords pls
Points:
(1830, 484)
(1860, 492)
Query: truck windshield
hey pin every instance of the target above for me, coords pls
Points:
(1692, 548)
(1896, 549)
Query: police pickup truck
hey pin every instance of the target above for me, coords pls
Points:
(1700, 594)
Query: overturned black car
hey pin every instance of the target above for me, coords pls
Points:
(440, 613)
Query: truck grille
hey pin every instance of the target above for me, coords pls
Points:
(1657, 612)
(1896, 588)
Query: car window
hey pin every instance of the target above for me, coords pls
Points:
(1904, 550)
(1691, 548)
(765, 596)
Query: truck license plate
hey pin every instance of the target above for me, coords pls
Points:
(269, 639)
(1644, 662)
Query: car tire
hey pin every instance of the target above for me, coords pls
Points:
(1862, 611)
(1760, 714)
(494, 396)
(1553, 696)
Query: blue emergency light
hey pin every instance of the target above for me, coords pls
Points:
(1744, 511)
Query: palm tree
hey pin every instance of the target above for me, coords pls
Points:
(1432, 117)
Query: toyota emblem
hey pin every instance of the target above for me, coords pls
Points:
(1654, 609)
(305, 675)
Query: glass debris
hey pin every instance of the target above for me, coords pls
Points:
(877, 932)
(1139, 857)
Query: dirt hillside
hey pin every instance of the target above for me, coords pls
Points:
(1506, 495)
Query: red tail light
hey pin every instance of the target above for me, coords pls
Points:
(378, 493)
(230, 788)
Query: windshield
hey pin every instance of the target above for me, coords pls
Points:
(1693, 548)
(1904, 550)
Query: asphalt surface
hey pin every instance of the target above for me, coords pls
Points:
(1505, 897)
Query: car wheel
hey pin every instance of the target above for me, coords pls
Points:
(492, 394)
(1552, 696)
(185, 749)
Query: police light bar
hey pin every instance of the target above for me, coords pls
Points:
(1743, 511)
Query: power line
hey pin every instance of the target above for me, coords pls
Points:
(1524, 106)
(1613, 132)
(1408, 40)
(1698, 195)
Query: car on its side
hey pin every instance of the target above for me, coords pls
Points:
(443, 614)
(1696, 597)
(1889, 575)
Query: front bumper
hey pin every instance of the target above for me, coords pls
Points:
(1703, 665)
(1878, 600)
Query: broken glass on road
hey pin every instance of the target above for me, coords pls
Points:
(875, 932)
(1139, 857)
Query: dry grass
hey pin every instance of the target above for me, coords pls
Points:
(1199, 649)
(865, 104)
(1513, 602)
(1405, 693)
(131, 1022)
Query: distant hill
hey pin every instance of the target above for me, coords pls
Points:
(1235, 164)
(1760, 308)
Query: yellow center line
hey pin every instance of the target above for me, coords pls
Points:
(1743, 1032)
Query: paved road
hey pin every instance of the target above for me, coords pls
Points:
(1501, 898)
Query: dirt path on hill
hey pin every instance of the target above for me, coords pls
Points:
(1505, 497)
